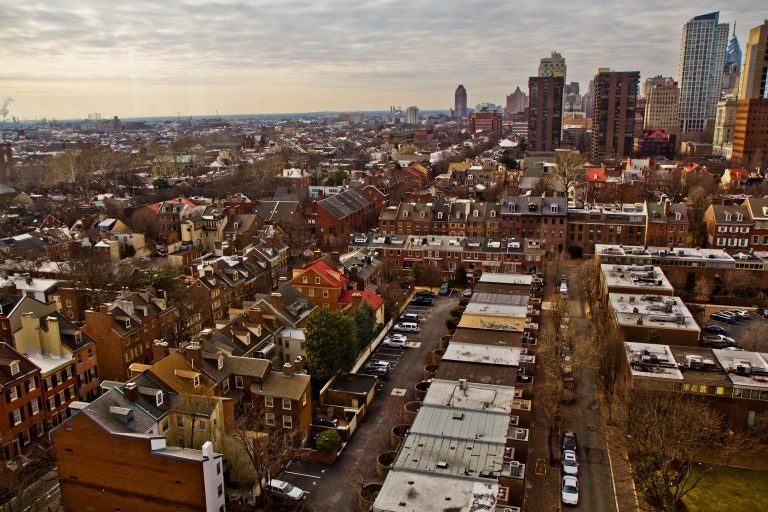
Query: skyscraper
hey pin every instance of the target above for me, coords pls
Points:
(613, 120)
(732, 67)
(545, 112)
(516, 102)
(702, 57)
(412, 115)
(750, 134)
(755, 72)
(661, 108)
(552, 66)
(460, 103)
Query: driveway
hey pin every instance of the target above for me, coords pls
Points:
(334, 488)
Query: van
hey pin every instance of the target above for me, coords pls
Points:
(409, 317)
(407, 327)
(285, 491)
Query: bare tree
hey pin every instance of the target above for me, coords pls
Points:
(569, 168)
(752, 337)
(610, 359)
(665, 435)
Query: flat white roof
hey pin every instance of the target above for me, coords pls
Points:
(499, 278)
(502, 310)
(433, 492)
(498, 355)
(645, 278)
(652, 360)
(652, 311)
(749, 369)
(481, 397)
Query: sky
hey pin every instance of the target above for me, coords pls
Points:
(65, 59)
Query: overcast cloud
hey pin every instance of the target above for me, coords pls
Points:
(162, 57)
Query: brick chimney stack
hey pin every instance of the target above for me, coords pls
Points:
(131, 391)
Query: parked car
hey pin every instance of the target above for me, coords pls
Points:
(325, 421)
(569, 440)
(570, 464)
(406, 327)
(467, 293)
(445, 289)
(377, 371)
(741, 314)
(378, 363)
(421, 301)
(723, 317)
(409, 317)
(710, 342)
(285, 490)
(730, 341)
(762, 312)
(425, 293)
(392, 342)
(570, 490)
(716, 329)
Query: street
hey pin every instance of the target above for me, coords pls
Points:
(334, 488)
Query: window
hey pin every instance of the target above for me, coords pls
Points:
(317, 280)
(269, 401)
(286, 404)
(16, 416)
(270, 419)
(325, 294)
(12, 394)
(159, 398)
(34, 407)
(218, 468)
(225, 386)
(165, 425)
(287, 421)
(239, 381)
(220, 489)
(304, 279)
(196, 380)
(14, 368)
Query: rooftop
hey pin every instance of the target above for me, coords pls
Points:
(645, 278)
(405, 490)
(652, 312)
(481, 397)
(484, 354)
(651, 360)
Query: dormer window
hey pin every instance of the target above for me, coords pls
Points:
(727, 216)
(739, 217)
(405, 214)
(220, 361)
(678, 216)
(493, 213)
(421, 215)
(439, 215)
(127, 323)
(196, 380)
(554, 208)
(159, 398)
(475, 213)
(14, 368)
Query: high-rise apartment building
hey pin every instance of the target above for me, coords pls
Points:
(700, 72)
(613, 121)
(460, 103)
(755, 71)
(661, 106)
(485, 123)
(516, 102)
(545, 112)
(552, 66)
(412, 115)
(732, 67)
(750, 135)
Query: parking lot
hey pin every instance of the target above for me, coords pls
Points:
(335, 487)
(751, 333)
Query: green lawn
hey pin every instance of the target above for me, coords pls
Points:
(728, 489)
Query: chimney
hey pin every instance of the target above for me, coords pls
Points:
(277, 300)
(666, 207)
(104, 308)
(254, 315)
(353, 273)
(317, 253)
(271, 242)
(131, 391)
(357, 297)
(298, 364)
(207, 449)
(159, 350)
(194, 354)
(335, 256)
(288, 370)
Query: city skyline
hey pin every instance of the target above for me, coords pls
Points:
(194, 58)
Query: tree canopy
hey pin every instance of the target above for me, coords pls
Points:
(329, 343)
(365, 324)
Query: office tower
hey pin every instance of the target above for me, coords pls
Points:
(661, 107)
(516, 102)
(755, 71)
(552, 66)
(545, 112)
(588, 100)
(412, 115)
(613, 121)
(460, 103)
(732, 67)
(702, 57)
(725, 124)
(650, 83)
(750, 135)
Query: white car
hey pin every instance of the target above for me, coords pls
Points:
(396, 341)
(721, 337)
(285, 490)
(570, 490)
(378, 363)
(570, 464)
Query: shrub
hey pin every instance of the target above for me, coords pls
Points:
(328, 441)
